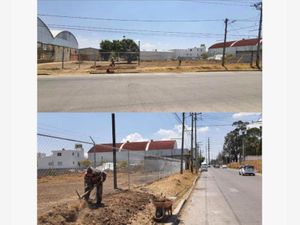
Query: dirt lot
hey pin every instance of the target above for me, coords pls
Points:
(88, 67)
(256, 163)
(57, 203)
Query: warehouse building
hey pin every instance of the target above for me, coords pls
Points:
(52, 49)
(137, 150)
(244, 49)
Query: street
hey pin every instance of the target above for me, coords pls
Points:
(205, 91)
(222, 197)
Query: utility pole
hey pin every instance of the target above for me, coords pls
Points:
(182, 144)
(114, 149)
(196, 146)
(225, 37)
(192, 142)
(208, 151)
(139, 60)
(94, 151)
(258, 6)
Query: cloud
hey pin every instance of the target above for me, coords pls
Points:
(148, 46)
(134, 137)
(243, 114)
(202, 129)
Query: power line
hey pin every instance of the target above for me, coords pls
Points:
(139, 20)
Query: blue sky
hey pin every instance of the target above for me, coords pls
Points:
(133, 127)
(153, 10)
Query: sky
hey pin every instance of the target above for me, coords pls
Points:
(243, 21)
(134, 127)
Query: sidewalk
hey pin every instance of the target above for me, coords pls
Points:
(207, 205)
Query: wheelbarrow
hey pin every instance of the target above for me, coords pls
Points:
(163, 206)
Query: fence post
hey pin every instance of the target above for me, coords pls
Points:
(63, 58)
(78, 60)
(95, 62)
(128, 168)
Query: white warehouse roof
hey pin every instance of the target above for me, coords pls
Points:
(64, 38)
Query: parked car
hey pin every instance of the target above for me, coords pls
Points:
(224, 166)
(247, 170)
(217, 166)
(203, 168)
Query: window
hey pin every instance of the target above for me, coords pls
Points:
(73, 163)
(50, 163)
(72, 153)
(59, 163)
(78, 154)
(59, 154)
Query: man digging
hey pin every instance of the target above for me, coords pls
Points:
(94, 178)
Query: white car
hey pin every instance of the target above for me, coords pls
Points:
(247, 170)
(224, 166)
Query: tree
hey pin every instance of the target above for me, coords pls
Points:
(85, 163)
(127, 47)
(241, 137)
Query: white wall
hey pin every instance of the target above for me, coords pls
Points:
(68, 159)
(190, 52)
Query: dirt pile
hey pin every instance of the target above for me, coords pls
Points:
(173, 186)
(119, 208)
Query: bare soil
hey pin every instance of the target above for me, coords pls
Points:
(256, 163)
(58, 203)
(88, 67)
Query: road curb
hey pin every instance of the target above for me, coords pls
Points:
(180, 206)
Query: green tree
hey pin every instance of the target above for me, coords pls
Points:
(127, 47)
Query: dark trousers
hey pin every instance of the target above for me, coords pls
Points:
(99, 191)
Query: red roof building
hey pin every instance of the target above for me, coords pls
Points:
(136, 146)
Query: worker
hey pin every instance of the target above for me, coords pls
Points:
(94, 178)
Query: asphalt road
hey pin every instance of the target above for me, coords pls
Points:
(205, 92)
(222, 197)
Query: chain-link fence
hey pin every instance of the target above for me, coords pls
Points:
(62, 163)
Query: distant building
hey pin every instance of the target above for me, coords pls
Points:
(173, 54)
(244, 49)
(138, 150)
(51, 49)
(190, 53)
(257, 124)
(61, 159)
(89, 54)
(157, 55)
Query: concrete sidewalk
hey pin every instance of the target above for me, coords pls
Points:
(207, 205)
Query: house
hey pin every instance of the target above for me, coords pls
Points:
(137, 151)
(52, 49)
(61, 159)
(244, 49)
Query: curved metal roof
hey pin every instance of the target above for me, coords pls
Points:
(64, 38)
(67, 39)
(239, 43)
(137, 146)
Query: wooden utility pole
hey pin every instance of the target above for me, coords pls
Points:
(192, 142)
(182, 144)
(114, 149)
(224, 46)
(258, 6)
